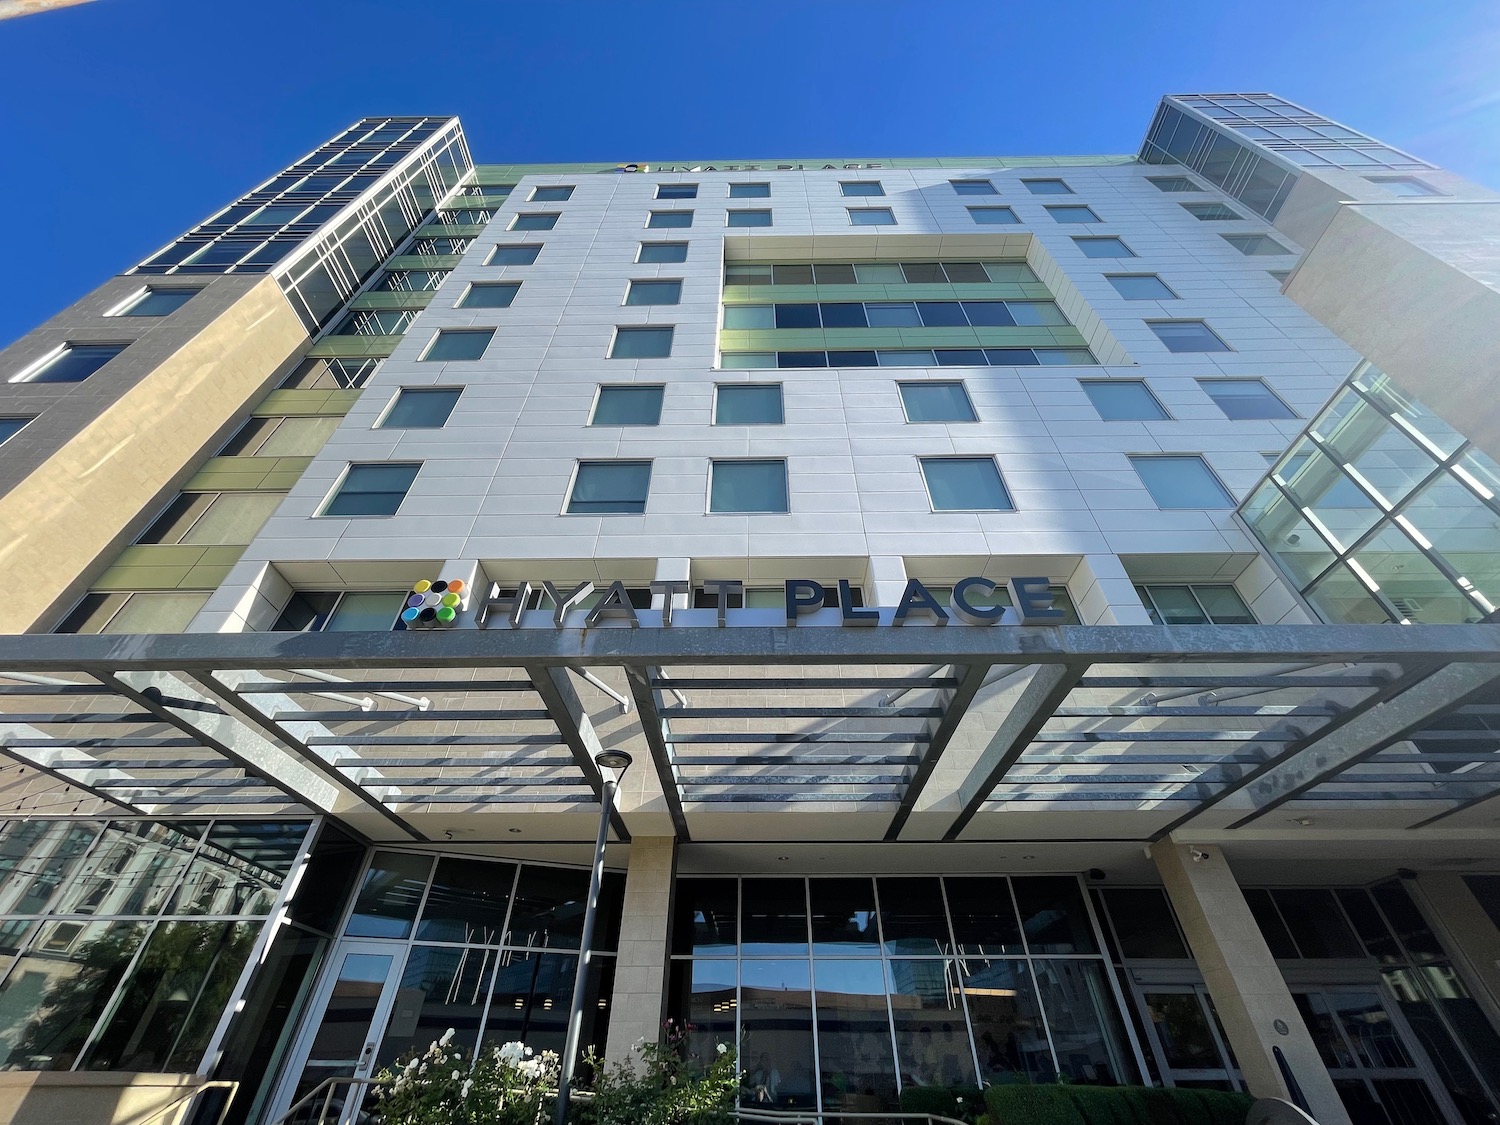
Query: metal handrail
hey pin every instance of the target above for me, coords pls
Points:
(329, 1085)
(815, 1117)
(217, 1084)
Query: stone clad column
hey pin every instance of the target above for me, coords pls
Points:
(1251, 996)
(638, 1007)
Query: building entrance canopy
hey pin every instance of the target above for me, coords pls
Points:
(1120, 732)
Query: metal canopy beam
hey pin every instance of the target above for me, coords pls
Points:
(577, 731)
(654, 727)
(953, 706)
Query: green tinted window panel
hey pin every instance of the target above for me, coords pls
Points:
(423, 261)
(306, 403)
(814, 338)
(353, 347)
(393, 300)
(248, 474)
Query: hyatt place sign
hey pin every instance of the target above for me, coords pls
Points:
(972, 602)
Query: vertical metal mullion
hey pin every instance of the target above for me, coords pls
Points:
(812, 992)
(1036, 988)
(1211, 1017)
(954, 958)
(118, 993)
(1114, 985)
(886, 977)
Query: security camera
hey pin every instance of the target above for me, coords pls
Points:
(1199, 855)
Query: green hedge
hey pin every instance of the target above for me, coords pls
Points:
(943, 1102)
(1111, 1105)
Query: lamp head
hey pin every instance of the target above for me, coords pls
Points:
(616, 760)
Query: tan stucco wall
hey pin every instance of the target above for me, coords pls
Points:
(56, 523)
(62, 1098)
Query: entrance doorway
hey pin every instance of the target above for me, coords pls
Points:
(1190, 1046)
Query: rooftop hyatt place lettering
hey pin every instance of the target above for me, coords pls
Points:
(969, 604)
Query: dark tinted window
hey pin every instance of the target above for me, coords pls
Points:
(549, 907)
(984, 920)
(467, 902)
(797, 316)
(843, 916)
(1144, 924)
(912, 917)
(706, 917)
(773, 917)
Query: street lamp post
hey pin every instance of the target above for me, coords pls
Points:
(612, 765)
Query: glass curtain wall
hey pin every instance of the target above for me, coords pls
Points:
(121, 943)
(1381, 511)
(842, 992)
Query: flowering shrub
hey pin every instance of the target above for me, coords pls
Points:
(664, 1084)
(509, 1085)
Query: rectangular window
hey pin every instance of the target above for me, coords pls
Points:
(748, 486)
(973, 187)
(871, 217)
(72, 363)
(10, 427)
(411, 281)
(1195, 605)
(1047, 187)
(157, 302)
(1140, 287)
(558, 193)
(676, 191)
(750, 191)
(749, 316)
(212, 518)
(1172, 183)
(372, 489)
(1404, 185)
(375, 322)
(1072, 213)
(458, 344)
(993, 216)
(1103, 246)
(661, 252)
(337, 611)
(610, 488)
(1123, 400)
(1181, 481)
(748, 404)
(275, 215)
(797, 316)
(1245, 399)
(490, 295)
(861, 187)
(746, 217)
(654, 293)
(627, 406)
(421, 408)
(641, 343)
(1255, 245)
(534, 220)
(663, 220)
(1187, 336)
(513, 255)
(1210, 212)
(965, 484)
(937, 402)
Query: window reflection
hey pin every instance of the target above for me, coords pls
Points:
(856, 1070)
(928, 1016)
(1009, 1036)
(776, 1038)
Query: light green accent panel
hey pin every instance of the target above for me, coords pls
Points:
(301, 403)
(848, 339)
(248, 474)
(488, 202)
(423, 261)
(353, 347)
(510, 173)
(451, 230)
(799, 294)
(169, 567)
(392, 300)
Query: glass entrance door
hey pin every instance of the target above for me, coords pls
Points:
(1185, 1034)
(353, 1006)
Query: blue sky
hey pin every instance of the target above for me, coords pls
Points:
(127, 121)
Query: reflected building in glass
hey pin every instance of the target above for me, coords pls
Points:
(1106, 696)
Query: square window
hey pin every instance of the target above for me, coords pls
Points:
(1172, 183)
(1245, 399)
(663, 220)
(1187, 336)
(157, 302)
(662, 252)
(654, 293)
(534, 220)
(1404, 185)
(748, 404)
(513, 255)
(748, 486)
(420, 408)
(458, 344)
(1047, 187)
(994, 216)
(1072, 213)
(749, 316)
(749, 191)
(938, 402)
(1183, 481)
(10, 427)
(641, 343)
(965, 484)
(73, 363)
(559, 193)
(1140, 287)
(490, 295)
(861, 187)
(973, 187)
(627, 406)
(1103, 246)
(1254, 245)
(676, 191)
(372, 490)
(871, 217)
(610, 487)
(744, 217)
(1123, 400)
(1210, 212)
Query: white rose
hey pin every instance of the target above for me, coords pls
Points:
(723, 1047)
(447, 1037)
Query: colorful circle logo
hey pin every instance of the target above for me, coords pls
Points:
(434, 604)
